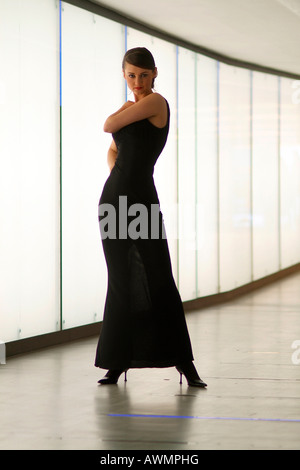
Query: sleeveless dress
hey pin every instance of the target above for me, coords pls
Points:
(143, 323)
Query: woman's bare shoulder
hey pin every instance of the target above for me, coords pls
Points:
(158, 97)
(158, 101)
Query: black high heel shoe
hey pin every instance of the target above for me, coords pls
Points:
(112, 377)
(191, 375)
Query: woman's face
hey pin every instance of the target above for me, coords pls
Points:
(139, 80)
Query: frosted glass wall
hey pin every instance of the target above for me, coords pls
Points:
(29, 169)
(265, 176)
(234, 177)
(289, 171)
(207, 177)
(92, 88)
(228, 179)
(186, 173)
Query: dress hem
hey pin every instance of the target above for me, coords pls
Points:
(147, 364)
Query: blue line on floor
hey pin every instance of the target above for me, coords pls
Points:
(225, 418)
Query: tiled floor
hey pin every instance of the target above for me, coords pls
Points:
(50, 399)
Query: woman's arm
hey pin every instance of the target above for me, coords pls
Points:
(112, 116)
(150, 106)
(112, 155)
(113, 151)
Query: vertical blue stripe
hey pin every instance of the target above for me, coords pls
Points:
(279, 173)
(177, 156)
(126, 46)
(196, 173)
(218, 173)
(60, 156)
(60, 57)
(251, 176)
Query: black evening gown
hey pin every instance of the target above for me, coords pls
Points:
(143, 323)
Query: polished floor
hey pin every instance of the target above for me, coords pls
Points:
(50, 399)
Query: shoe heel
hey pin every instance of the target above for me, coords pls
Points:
(191, 376)
(125, 378)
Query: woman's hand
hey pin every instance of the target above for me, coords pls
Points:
(125, 106)
(112, 155)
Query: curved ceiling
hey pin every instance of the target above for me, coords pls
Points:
(262, 32)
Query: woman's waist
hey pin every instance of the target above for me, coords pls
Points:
(136, 189)
(134, 167)
(134, 176)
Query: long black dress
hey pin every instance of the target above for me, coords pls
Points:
(144, 323)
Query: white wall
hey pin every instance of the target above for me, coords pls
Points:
(228, 179)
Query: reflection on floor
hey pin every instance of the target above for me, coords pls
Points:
(50, 399)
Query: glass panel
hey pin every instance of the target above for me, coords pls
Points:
(186, 173)
(207, 177)
(265, 175)
(29, 169)
(164, 55)
(234, 175)
(93, 88)
(290, 171)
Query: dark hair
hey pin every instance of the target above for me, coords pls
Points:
(139, 57)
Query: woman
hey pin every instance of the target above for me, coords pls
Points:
(143, 323)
